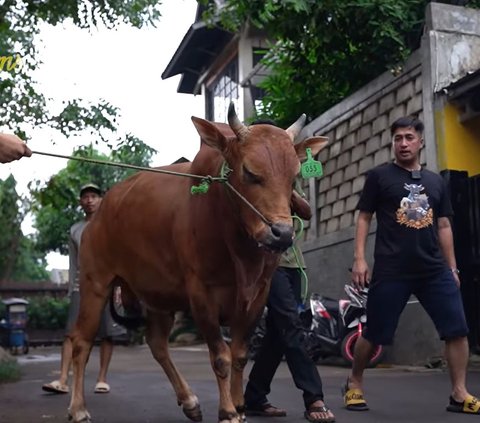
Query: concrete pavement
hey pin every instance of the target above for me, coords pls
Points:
(141, 394)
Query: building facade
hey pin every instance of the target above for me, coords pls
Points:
(440, 83)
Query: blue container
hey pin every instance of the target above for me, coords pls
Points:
(17, 338)
(14, 324)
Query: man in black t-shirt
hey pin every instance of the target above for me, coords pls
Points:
(413, 255)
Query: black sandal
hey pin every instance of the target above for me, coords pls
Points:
(264, 410)
(318, 409)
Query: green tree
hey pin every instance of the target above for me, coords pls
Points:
(55, 204)
(22, 106)
(325, 50)
(19, 257)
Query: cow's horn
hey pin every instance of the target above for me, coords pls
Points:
(238, 127)
(295, 129)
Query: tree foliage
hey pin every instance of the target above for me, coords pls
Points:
(19, 257)
(47, 313)
(326, 50)
(22, 106)
(56, 203)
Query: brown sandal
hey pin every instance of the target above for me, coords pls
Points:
(265, 410)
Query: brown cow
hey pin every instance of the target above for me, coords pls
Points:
(211, 253)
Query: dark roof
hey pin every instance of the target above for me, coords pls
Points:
(181, 160)
(199, 47)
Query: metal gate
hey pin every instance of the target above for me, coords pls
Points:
(465, 196)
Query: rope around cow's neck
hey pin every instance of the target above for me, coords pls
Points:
(205, 179)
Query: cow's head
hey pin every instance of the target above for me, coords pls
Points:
(265, 162)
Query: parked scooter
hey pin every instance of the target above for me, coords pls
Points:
(335, 326)
(331, 327)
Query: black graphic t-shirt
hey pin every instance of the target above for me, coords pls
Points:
(407, 209)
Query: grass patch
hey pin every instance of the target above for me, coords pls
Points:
(9, 371)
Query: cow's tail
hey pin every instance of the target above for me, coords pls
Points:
(133, 317)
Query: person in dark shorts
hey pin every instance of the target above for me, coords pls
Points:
(90, 199)
(413, 255)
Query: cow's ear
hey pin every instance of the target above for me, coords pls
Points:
(314, 143)
(300, 206)
(210, 134)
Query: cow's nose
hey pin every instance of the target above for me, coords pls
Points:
(281, 236)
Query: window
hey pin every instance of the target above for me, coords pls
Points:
(224, 90)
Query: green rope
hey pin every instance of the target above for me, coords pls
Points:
(303, 274)
(201, 188)
(204, 178)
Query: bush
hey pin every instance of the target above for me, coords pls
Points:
(9, 368)
(47, 313)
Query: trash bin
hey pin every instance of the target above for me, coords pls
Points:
(13, 326)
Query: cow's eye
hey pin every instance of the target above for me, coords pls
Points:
(250, 177)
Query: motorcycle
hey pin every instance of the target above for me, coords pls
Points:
(334, 326)
(331, 327)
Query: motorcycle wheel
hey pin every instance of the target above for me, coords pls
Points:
(254, 346)
(348, 346)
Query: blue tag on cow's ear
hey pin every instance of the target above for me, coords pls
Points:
(311, 168)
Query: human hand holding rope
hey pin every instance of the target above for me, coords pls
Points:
(12, 148)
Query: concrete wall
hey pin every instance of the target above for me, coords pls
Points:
(453, 33)
(453, 38)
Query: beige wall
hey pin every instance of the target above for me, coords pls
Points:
(359, 139)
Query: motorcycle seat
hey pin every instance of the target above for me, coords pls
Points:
(330, 304)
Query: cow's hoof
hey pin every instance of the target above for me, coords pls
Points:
(80, 417)
(226, 417)
(194, 413)
(241, 411)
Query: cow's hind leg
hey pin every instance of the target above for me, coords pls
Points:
(158, 330)
(94, 292)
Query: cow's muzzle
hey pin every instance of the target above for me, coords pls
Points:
(279, 237)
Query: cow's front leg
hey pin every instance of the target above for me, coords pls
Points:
(206, 317)
(239, 348)
(221, 360)
(241, 329)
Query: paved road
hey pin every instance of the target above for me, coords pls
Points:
(141, 394)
